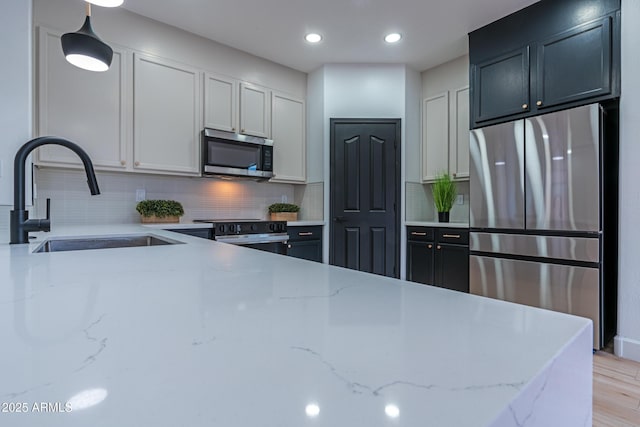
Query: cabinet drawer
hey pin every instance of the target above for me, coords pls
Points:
(453, 235)
(420, 234)
(305, 233)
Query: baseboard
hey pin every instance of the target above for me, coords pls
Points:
(626, 348)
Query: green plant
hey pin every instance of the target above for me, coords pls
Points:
(283, 207)
(160, 208)
(444, 192)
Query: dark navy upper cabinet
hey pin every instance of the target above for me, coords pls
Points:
(575, 64)
(552, 55)
(501, 86)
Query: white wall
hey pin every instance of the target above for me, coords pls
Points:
(366, 91)
(15, 96)
(627, 341)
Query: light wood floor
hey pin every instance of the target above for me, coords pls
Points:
(616, 391)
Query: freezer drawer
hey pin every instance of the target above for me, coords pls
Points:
(584, 249)
(568, 289)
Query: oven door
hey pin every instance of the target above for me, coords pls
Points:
(275, 243)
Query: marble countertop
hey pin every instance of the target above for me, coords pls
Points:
(438, 224)
(205, 333)
(191, 225)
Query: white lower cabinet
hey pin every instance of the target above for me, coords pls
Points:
(84, 107)
(166, 115)
(288, 134)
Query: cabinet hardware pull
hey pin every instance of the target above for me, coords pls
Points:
(305, 233)
(429, 246)
(123, 162)
(525, 106)
(439, 247)
(289, 246)
(539, 103)
(416, 233)
(453, 236)
(137, 164)
(241, 130)
(233, 129)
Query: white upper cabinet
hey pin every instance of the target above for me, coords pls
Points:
(445, 135)
(459, 141)
(445, 120)
(435, 136)
(87, 108)
(220, 103)
(255, 111)
(288, 134)
(166, 115)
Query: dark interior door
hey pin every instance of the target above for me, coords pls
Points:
(365, 179)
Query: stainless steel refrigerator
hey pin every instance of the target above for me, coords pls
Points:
(536, 213)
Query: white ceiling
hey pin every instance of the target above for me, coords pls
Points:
(434, 31)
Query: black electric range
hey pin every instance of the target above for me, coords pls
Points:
(269, 236)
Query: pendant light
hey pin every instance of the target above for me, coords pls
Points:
(84, 48)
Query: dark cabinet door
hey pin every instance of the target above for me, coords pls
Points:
(452, 267)
(500, 86)
(420, 262)
(306, 249)
(575, 64)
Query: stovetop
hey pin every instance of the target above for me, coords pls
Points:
(227, 227)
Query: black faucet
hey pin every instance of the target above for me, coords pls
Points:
(21, 225)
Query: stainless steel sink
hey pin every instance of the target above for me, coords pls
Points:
(86, 243)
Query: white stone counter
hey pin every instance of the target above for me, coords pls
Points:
(437, 224)
(209, 334)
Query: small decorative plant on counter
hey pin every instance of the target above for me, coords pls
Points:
(160, 211)
(444, 194)
(284, 212)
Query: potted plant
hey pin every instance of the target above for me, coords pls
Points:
(160, 211)
(444, 194)
(284, 212)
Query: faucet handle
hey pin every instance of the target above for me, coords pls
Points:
(48, 208)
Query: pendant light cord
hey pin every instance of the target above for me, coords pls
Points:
(87, 8)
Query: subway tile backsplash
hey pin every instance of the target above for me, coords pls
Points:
(71, 202)
(420, 206)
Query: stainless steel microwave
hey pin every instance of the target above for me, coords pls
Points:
(233, 154)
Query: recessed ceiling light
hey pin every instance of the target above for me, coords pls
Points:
(313, 38)
(392, 38)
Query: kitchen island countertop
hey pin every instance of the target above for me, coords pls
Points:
(204, 333)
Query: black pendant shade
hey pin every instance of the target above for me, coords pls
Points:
(84, 49)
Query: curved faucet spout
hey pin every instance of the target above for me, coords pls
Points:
(20, 223)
